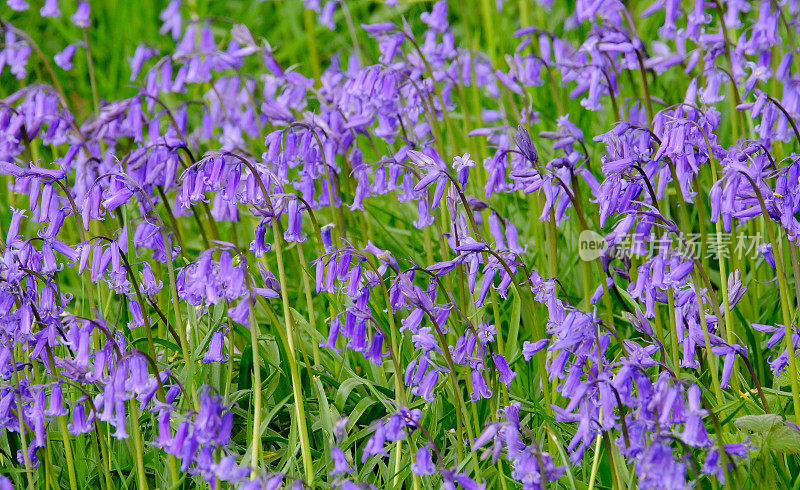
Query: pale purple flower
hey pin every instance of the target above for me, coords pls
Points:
(424, 462)
(340, 464)
(64, 58)
(50, 9)
(17, 5)
(81, 16)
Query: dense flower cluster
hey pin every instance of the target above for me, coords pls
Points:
(257, 277)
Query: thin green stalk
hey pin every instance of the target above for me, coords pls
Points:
(106, 464)
(723, 284)
(524, 13)
(176, 309)
(62, 427)
(256, 454)
(787, 320)
(231, 351)
(648, 103)
(138, 446)
(550, 237)
(784, 299)
(488, 27)
(351, 29)
(710, 357)
(300, 413)
(312, 320)
(795, 272)
(659, 329)
(615, 477)
(311, 43)
(427, 244)
(673, 324)
(587, 287)
(92, 78)
(21, 422)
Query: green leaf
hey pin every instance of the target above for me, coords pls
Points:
(245, 369)
(784, 439)
(326, 415)
(758, 423)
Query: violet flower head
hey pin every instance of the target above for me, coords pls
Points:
(479, 388)
(525, 145)
(503, 369)
(437, 17)
(658, 468)
(326, 15)
(50, 9)
(81, 16)
(215, 349)
(424, 462)
(340, 464)
(17, 5)
(64, 59)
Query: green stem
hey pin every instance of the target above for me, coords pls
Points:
(709, 355)
(21, 422)
(92, 79)
(616, 481)
(139, 447)
(312, 320)
(313, 56)
(595, 462)
(723, 283)
(488, 27)
(784, 299)
(256, 455)
(62, 426)
(673, 325)
(300, 413)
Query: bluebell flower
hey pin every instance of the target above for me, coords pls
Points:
(56, 407)
(525, 145)
(5, 483)
(80, 423)
(658, 468)
(17, 5)
(50, 9)
(81, 16)
(437, 17)
(453, 477)
(425, 389)
(215, 348)
(340, 464)
(479, 388)
(424, 462)
(375, 352)
(504, 371)
(694, 433)
(64, 58)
